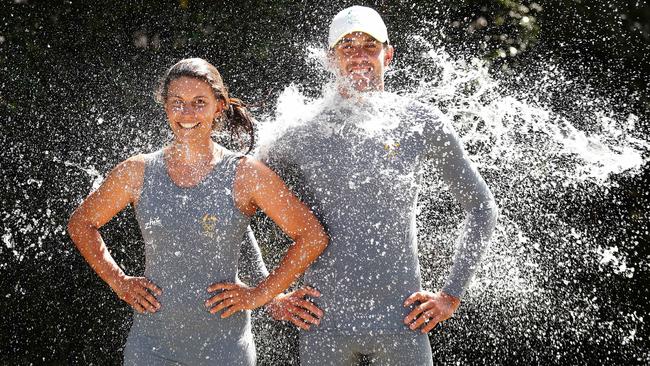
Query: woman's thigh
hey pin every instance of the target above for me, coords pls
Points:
(144, 350)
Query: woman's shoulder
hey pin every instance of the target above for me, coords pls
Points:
(139, 161)
(144, 158)
(133, 168)
(247, 162)
(252, 169)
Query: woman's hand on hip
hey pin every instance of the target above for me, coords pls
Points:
(139, 293)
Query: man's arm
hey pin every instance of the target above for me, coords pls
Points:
(257, 187)
(471, 191)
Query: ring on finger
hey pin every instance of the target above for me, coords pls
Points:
(429, 314)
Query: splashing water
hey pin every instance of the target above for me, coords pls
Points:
(540, 292)
(546, 290)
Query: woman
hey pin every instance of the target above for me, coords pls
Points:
(193, 200)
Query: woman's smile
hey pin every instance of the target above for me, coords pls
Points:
(189, 125)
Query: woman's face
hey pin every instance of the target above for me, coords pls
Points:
(191, 109)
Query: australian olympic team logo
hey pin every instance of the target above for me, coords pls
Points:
(209, 225)
(392, 149)
(352, 17)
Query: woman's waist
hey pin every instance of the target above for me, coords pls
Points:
(182, 292)
(189, 321)
(187, 279)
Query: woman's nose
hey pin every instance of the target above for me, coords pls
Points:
(187, 109)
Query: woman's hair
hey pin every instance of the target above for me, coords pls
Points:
(237, 119)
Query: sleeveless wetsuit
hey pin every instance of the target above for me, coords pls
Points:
(193, 238)
(358, 166)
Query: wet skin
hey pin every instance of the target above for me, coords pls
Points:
(191, 109)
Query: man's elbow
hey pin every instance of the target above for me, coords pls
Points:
(493, 211)
(484, 213)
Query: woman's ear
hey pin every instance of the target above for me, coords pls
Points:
(221, 107)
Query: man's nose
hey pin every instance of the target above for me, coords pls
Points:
(360, 53)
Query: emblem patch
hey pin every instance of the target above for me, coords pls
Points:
(391, 150)
(209, 225)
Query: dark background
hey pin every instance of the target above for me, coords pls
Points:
(76, 86)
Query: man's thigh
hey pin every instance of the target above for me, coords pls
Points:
(400, 349)
(328, 349)
(381, 350)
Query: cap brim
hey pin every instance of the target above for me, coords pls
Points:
(354, 30)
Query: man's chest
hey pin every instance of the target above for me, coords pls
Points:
(360, 161)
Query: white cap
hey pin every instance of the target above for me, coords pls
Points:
(357, 19)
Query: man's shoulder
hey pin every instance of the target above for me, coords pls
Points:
(293, 134)
(421, 110)
(280, 139)
(417, 115)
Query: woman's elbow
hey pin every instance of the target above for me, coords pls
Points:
(73, 224)
(322, 239)
(318, 239)
(77, 224)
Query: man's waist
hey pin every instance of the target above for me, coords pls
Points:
(350, 320)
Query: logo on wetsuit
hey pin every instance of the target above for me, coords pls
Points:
(209, 225)
(391, 150)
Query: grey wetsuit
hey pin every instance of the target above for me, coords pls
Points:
(363, 186)
(193, 238)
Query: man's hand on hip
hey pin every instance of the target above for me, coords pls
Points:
(295, 308)
(431, 309)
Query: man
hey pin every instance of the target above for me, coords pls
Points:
(357, 163)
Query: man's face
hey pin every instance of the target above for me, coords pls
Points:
(362, 60)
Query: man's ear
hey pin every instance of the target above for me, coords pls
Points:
(331, 59)
(388, 55)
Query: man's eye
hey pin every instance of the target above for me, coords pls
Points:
(200, 103)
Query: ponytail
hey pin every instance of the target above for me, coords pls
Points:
(238, 120)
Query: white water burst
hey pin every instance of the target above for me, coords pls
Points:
(532, 155)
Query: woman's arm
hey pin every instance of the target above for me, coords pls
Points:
(121, 187)
(258, 187)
